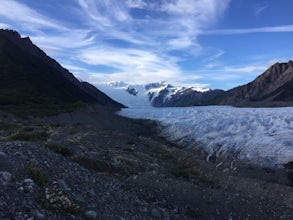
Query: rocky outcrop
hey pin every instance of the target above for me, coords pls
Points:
(273, 88)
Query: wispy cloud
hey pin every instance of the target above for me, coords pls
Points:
(255, 69)
(274, 29)
(138, 65)
(140, 4)
(160, 28)
(178, 26)
(5, 26)
(260, 9)
(21, 15)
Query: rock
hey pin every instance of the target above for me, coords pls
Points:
(38, 215)
(5, 177)
(226, 170)
(289, 165)
(4, 162)
(90, 214)
(28, 181)
(3, 155)
(290, 177)
(155, 213)
(20, 189)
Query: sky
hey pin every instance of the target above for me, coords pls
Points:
(204, 43)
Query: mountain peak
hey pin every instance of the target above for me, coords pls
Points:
(10, 33)
(272, 88)
(29, 77)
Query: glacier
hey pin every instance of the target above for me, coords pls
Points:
(260, 136)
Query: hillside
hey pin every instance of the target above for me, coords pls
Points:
(273, 88)
(29, 77)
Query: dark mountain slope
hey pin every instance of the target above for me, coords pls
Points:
(273, 88)
(29, 77)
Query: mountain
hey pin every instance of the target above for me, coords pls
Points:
(273, 88)
(160, 94)
(165, 95)
(30, 77)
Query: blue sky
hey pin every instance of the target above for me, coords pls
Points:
(206, 43)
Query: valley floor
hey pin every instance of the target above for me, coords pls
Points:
(96, 165)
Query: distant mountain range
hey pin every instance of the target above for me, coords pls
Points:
(29, 77)
(271, 89)
(160, 94)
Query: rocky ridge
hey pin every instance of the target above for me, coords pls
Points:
(273, 88)
(30, 77)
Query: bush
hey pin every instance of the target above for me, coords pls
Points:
(36, 173)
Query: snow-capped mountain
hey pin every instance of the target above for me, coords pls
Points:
(159, 94)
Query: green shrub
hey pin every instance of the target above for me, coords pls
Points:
(36, 173)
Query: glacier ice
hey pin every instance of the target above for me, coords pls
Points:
(262, 136)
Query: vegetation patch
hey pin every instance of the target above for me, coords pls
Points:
(34, 172)
(29, 136)
(59, 149)
(28, 109)
(93, 164)
(5, 126)
(186, 167)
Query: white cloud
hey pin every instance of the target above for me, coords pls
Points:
(105, 13)
(133, 64)
(136, 4)
(78, 39)
(21, 14)
(282, 28)
(253, 68)
(246, 69)
(162, 27)
(179, 26)
(5, 26)
(260, 9)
